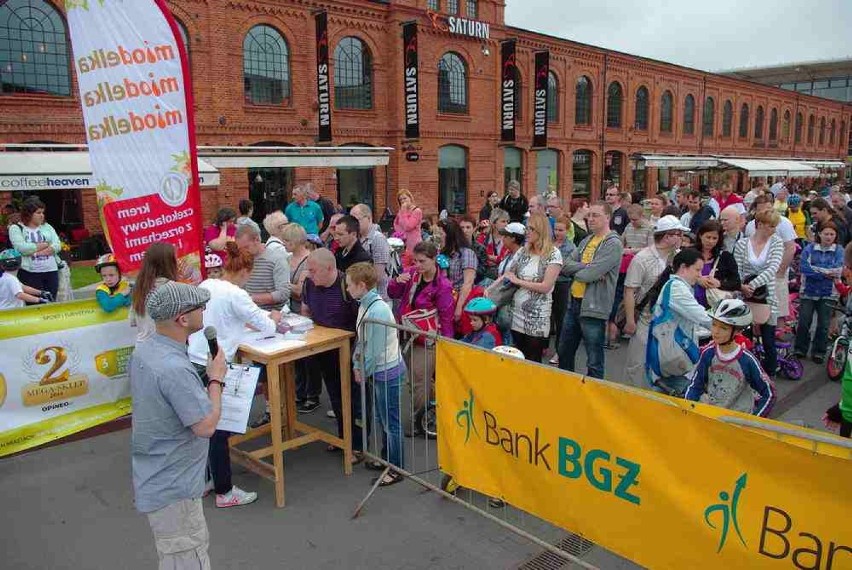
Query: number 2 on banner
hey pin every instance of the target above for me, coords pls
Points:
(60, 356)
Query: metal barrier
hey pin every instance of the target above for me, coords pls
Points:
(419, 462)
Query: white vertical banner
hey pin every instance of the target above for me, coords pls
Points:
(135, 91)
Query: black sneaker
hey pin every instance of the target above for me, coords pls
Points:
(307, 407)
(818, 358)
(261, 421)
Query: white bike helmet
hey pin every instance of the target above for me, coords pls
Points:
(509, 351)
(733, 312)
(211, 260)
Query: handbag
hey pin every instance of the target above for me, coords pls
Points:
(760, 309)
(425, 320)
(715, 295)
(670, 352)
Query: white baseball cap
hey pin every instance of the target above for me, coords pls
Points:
(515, 228)
(669, 224)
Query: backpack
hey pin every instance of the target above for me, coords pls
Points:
(670, 352)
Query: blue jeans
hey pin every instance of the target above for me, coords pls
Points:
(593, 334)
(807, 308)
(386, 398)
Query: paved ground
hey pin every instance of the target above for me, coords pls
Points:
(70, 506)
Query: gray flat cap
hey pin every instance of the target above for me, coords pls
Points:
(172, 299)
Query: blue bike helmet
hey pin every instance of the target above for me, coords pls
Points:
(10, 260)
(480, 306)
(794, 200)
(443, 261)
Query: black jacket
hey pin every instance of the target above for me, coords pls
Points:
(727, 272)
(517, 208)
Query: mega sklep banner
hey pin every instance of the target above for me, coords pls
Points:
(63, 369)
(653, 479)
(133, 77)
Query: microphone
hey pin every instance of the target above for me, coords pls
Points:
(210, 335)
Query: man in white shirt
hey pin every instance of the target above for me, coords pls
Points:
(733, 221)
(787, 233)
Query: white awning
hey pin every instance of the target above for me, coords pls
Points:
(295, 156)
(757, 167)
(675, 161)
(824, 163)
(63, 171)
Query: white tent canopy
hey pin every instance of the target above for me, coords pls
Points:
(63, 170)
(295, 156)
(679, 162)
(824, 163)
(758, 167)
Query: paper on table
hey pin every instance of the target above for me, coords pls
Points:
(240, 383)
(269, 343)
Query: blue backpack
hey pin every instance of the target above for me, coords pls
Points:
(670, 352)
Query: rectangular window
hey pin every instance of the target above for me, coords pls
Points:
(355, 186)
(838, 82)
(820, 84)
(452, 186)
(452, 6)
(471, 9)
(432, 5)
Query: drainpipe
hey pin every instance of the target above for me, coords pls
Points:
(703, 110)
(604, 97)
(795, 121)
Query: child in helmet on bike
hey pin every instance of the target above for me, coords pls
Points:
(213, 265)
(114, 292)
(480, 311)
(13, 294)
(727, 375)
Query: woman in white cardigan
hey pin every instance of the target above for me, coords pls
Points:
(758, 259)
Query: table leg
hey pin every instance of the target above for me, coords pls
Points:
(274, 385)
(346, 404)
(289, 397)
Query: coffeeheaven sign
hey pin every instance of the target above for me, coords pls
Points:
(136, 95)
(63, 369)
(655, 480)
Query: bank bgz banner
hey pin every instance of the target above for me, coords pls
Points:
(542, 72)
(509, 74)
(323, 82)
(133, 77)
(63, 369)
(411, 80)
(653, 480)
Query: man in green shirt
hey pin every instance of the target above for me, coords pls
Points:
(304, 212)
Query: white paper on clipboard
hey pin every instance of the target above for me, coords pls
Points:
(240, 383)
(270, 343)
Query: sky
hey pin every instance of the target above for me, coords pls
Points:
(711, 35)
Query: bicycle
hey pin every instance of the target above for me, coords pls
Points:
(788, 363)
(835, 364)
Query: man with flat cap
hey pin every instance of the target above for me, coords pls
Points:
(173, 418)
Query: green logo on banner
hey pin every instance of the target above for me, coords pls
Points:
(464, 418)
(728, 510)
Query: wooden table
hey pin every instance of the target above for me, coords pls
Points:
(284, 429)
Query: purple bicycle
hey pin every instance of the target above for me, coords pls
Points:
(788, 363)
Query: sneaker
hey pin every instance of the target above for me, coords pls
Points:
(818, 358)
(554, 360)
(308, 406)
(208, 487)
(261, 421)
(331, 414)
(495, 503)
(235, 498)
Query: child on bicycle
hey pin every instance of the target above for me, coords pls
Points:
(821, 266)
(13, 294)
(481, 312)
(727, 375)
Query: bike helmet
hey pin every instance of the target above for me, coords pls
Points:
(733, 312)
(212, 260)
(480, 306)
(443, 261)
(396, 243)
(10, 260)
(794, 200)
(509, 351)
(106, 260)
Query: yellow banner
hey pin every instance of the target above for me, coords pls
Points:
(63, 369)
(662, 482)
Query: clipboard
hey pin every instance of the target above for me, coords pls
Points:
(237, 397)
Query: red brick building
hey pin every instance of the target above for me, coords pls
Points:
(254, 78)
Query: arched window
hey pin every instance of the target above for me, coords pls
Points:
(452, 179)
(758, 123)
(709, 123)
(546, 171)
(471, 9)
(821, 131)
(744, 121)
(832, 133)
(641, 120)
(33, 49)
(266, 66)
(613, 161)
(452, 84)
(582, 179)
(552, 98)
(843, 140)
(785, 127)
(689, 115)
(432, 5)
(773, 125)
(613, 105)
(666, 112)
(811, 127)
(727, 118)
(583, 101)
(353, 75)
(799, 121)
(452, 6)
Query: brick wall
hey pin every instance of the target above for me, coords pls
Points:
(216, 30)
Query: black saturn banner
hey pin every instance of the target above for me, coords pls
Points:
(507, 91)
(542, 71)
(411, 81)
(323, 84)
